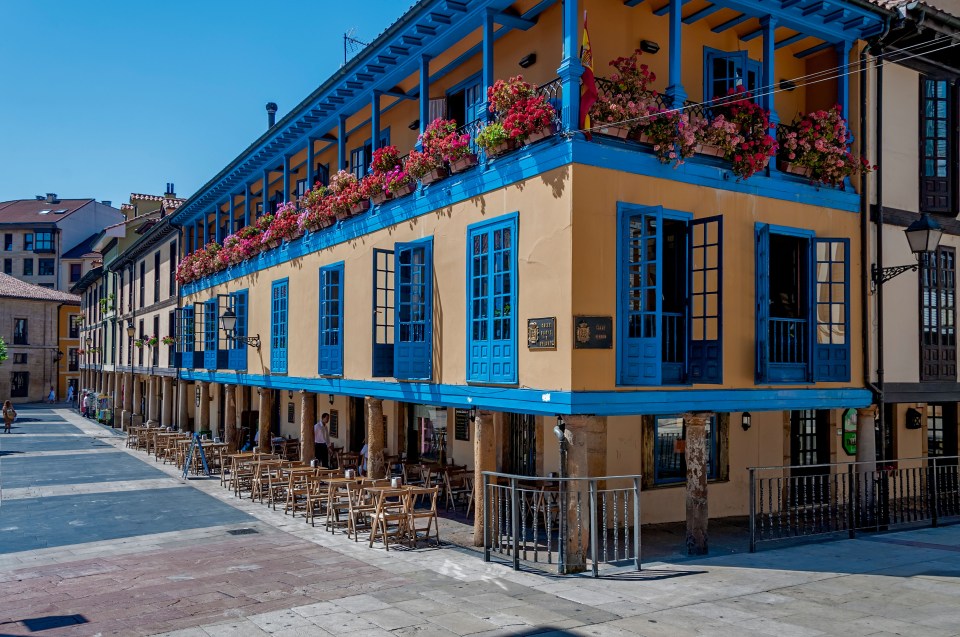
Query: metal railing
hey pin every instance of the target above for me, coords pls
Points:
(788, 340)
(795, 501)
(572, 524)
(674, 348)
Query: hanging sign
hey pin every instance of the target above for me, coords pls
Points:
(849, 434)
(592, 332)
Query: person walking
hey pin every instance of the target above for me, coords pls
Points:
(9, 415)
(70, 395)
(321, 441)
(52, 396)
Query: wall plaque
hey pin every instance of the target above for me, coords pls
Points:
(542, 333)
(592, 332)
(461, 424)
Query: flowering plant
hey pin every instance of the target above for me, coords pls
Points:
(673, 135)
(153, 341)
(372, 185)
(346, 189)
(628, 98)
(249, 244)
(750, 148)
(315, 196)
(819, 141)
(492, 135)
(168, 340)
(504, 94)
(284, 225)
(441, 141)
(342, 181)
(385, 159)
(528, 116)
(397, 180)
(420, 163)
(138, 343)
(204, 260)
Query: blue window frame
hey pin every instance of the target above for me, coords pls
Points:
(330, 354)
(362, 156)
(383, 312)
(185, 337)
(278, 327)
(803, 306)
(669, 458)
(492, 300)
(413, 348)
(237, 355)
(210, 334)
(726, 70)
(669, 287)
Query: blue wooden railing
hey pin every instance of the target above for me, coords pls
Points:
(788, 340)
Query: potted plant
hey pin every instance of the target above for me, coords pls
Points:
(673, 136)
(816, 146)
(284, 225)
(526, 116)
(250, 242)
(153, 341)
(442, 138)
(137, 343)
(743, 133)
(494, 140)
(425, 167)
(168, 340)
(372, 187)
(627, 100)
(230, 254)
(399, 183)
(346, 194)
(436, 143)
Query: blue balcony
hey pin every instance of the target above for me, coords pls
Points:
(215, 359)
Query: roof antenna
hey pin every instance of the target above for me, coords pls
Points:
(351, 44)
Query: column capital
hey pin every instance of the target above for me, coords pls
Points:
(698, 417)
(867, 412)
(768, 21)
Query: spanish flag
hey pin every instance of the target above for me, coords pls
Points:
(588, 82)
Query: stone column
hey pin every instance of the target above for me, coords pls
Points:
(166, 401)
(153, 408)
(264, 419)
(183, 409)
(202, 419)
(230, 417)
(695, 454)
(308, 418)
(242, 397)
(137, 417)
(127, 400)
(586, 443)
(374, 408)
(867, 458)
(484, 459)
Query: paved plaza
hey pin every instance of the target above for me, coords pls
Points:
(96, 539)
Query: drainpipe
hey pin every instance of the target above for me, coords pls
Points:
(879, 190)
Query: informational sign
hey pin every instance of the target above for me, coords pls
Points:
(542, 333)
(334, 424)
(197, 393)
(592, 332)
(849, 433)
(461, 424)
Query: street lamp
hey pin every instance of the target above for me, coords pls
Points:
(89, 342)
(131, 331)
(923, 236)
(228, 322)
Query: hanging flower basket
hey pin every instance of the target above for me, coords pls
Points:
(620, 132)
(360, 207)
(543, 133)
(502, 148)
(463, 163)
(709, 150)
(434, 175)
(794, 169)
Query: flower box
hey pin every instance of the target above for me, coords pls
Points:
(794, 169)
(434, 175)
(360, 207)
(380, 197)
(709, 150)
(273, 243)
(343, 215)
(463, 163)
(543, 133)
(621, 132)
(502, 148)
(404, 190)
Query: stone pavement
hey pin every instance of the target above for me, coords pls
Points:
(94, 555)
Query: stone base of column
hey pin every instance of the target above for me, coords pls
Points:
(125, 420)
(136, 420)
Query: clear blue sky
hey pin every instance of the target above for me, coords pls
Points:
(101, 98)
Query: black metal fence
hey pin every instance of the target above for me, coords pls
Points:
(796, 501)
(566, 524)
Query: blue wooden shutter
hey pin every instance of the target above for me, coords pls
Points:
(706, 300)
(330, 352)
(237, 357)
(763, 302)
(830, 303)
(413, 335)
(278, 327)
(640, 289)
(491, 315)
(383, 312)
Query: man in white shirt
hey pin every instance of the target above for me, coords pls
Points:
(321, 441)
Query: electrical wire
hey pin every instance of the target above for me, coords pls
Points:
(819, 76)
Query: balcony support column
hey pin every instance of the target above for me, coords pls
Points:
(769, 26)
(695, 454)
(484, 459)
(308, 410)
(265, 192)
(311, 160)
(843, 82)
(375, 441)
(127, 398)
(136, 410)
(374, 122)
(487, 73)
(424, 92)
(216, 225)
(153, 407)
(342, 143)
(166, 401)
(266, 396)
(206, 229)
(586, 457)
(230, 417)
(202, 418)
(246, 205)
(570, 67)
(676, 94)
(183, 413)
(286, 178)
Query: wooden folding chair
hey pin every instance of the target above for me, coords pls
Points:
(390, 518)
(417, 517)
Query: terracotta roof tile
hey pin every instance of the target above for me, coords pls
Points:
(14, 288)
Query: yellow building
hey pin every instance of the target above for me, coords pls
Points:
(69, 325)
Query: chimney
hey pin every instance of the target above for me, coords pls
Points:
(40, 197)
(52, 197)
(271, 114)
(106, 202)
(170, 193)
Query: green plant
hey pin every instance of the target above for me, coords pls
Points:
(3, 350)
(492, 135)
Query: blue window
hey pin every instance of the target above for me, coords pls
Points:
(724, 71)
(330, 354)
(237, 355)
(492, 299)
(210, 334)
(803, 304)
(413, 349)
(669, 286)
(185, 336)
(278, 327)
(669, 457)
(383, 312)
(362, 156)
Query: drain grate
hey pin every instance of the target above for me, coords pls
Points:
(242, 531)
